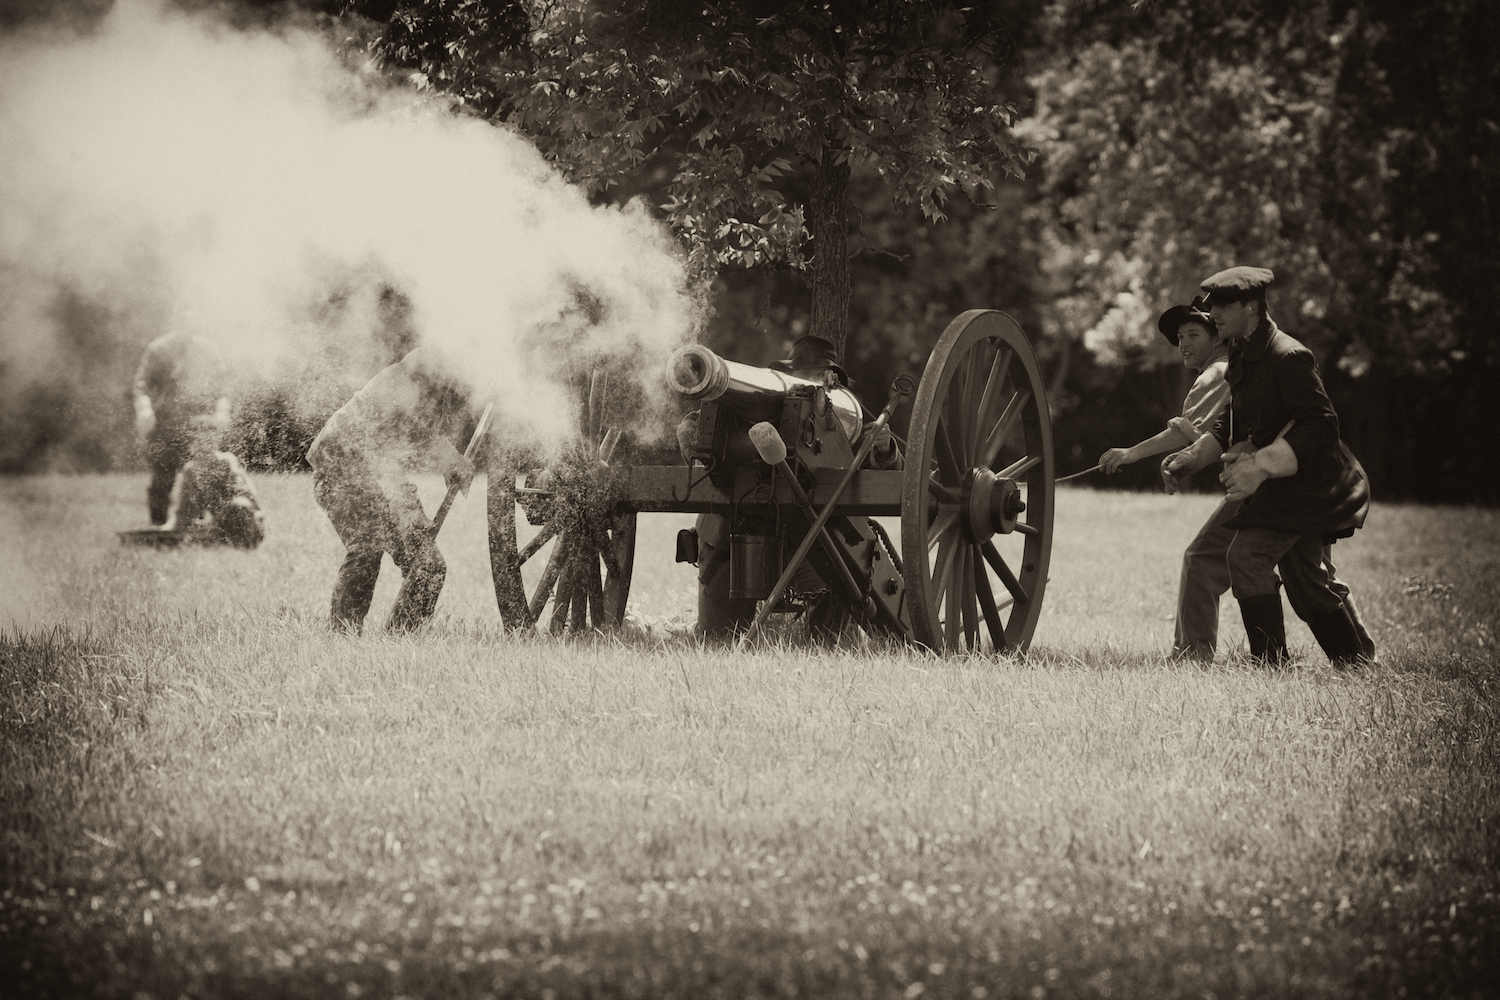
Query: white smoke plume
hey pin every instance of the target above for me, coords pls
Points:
(186, 172)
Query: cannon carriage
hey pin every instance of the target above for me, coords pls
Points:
(782, 459)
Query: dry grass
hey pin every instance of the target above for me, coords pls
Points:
(204, 793)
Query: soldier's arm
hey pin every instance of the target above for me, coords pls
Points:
(1316, 430)
(885, 454)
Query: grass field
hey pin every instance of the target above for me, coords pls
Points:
(204, 793)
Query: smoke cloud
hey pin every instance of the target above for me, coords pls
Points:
(181, 172)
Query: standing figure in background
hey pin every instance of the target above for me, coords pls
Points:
(1205, 576)
(1299, 488)
(404, 420)
(179, 396)
(213, 500)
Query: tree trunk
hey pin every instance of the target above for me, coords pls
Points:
(828, 210)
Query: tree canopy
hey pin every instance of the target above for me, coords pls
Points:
(880, 166)
(1351, 145)
(754, 114)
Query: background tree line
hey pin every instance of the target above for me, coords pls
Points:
(866, 170)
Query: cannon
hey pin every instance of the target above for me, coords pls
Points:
(780, 457)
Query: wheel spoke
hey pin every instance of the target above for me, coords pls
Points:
(563, 602)
(532, 547)
(617, 582)
(609, 444)
(1002, 429)
(584, 563)
(606, 549)
(986, 597)
(992, 556)
(598, 383)
(942, 526)
(1020, 467)
(940, 566)
(959, 411)
(992, 386)
(952, 617)
(595, 592)
(947, 459)
(548, 580)
(966, 604)
(942, 492)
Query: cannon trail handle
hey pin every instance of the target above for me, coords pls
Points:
(480, 430)
(900, 389)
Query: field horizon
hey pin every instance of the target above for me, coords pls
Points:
(205, 793)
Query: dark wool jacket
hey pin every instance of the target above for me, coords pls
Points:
(1273, 379)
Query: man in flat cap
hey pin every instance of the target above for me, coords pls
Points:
(1300, 487)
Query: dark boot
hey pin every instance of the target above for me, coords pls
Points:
(1265, 627)
(1336, 633)
(421, 585)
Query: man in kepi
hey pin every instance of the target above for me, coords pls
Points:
(1300, 488)
(404, 420)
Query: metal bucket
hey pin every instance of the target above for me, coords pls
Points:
(754, 565)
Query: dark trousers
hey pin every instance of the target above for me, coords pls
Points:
(372, 522)
(167, 451)
(719, 615)
(1305, 563)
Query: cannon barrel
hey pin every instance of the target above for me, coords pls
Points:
(757, 394)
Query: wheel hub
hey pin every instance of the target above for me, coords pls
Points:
(577, 488)
(991, 505)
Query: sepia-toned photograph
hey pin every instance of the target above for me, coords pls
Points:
(848, 499)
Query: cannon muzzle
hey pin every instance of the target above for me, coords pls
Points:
(698, 373)
(695, 372)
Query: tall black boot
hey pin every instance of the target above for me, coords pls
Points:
(1336, 633)
(1265, 627)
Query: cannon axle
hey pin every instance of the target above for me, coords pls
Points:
(991, 505)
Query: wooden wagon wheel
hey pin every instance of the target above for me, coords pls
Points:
(585, 547)
(976, 504)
